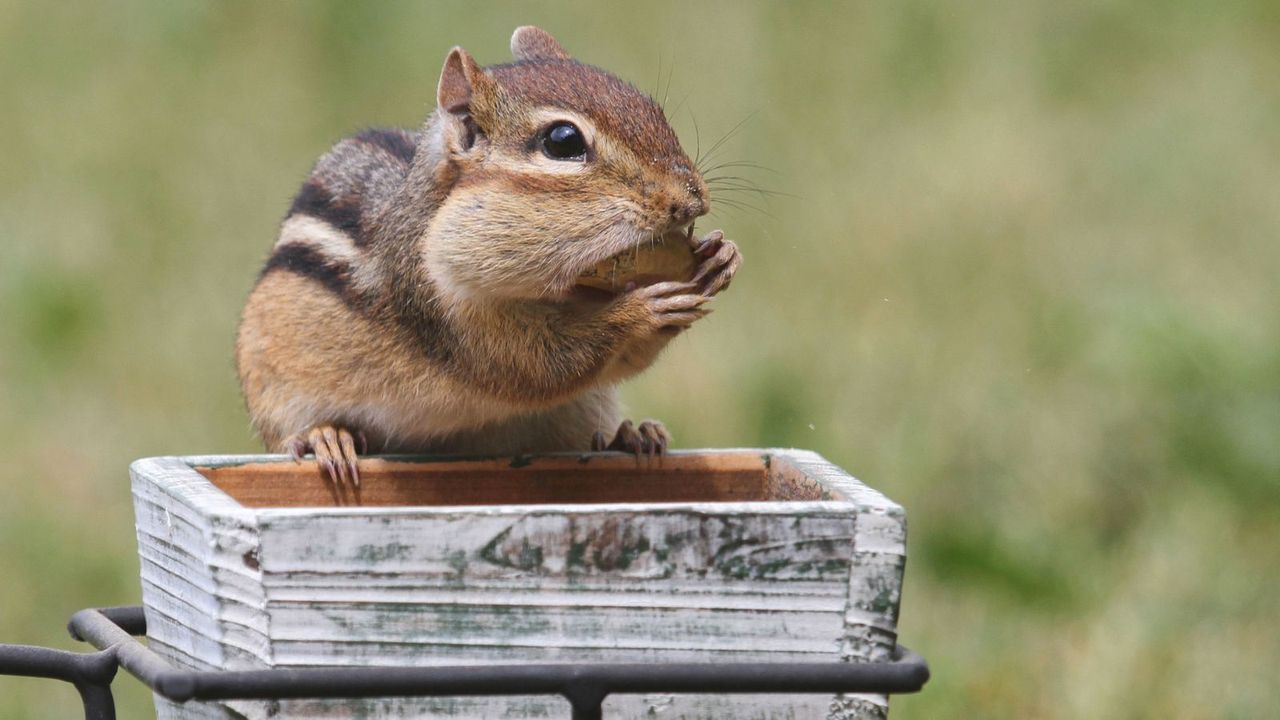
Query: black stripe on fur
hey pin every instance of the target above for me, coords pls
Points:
(309, 262)
(315, 200)
(396, 142)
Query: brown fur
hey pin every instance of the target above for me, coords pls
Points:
(421, 291)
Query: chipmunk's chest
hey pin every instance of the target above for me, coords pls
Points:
(421, 421)
(402, 396)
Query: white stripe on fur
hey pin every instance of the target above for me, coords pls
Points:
(316, 233)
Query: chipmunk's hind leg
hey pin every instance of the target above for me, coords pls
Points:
(335, 449)
(649, 439)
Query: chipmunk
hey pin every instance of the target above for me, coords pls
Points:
(421, 295)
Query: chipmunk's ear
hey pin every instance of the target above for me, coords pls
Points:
(532, 43)
(466, 96)
(463, 84)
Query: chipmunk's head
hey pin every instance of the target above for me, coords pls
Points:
(552, 166)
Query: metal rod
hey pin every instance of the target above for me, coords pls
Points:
(98, 702)
(96, 628)
(588, 711)
(586, 699)
(90, 673)
(582, 683)
(585, 686)
(30, 661)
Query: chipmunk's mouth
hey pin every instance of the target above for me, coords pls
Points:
(668, 257)
(591, 294)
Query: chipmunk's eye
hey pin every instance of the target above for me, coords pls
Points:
(564, 141)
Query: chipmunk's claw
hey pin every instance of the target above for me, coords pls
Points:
(649, 440)
(721, 262)
(336, 453)
(296, 447)
(675, 305)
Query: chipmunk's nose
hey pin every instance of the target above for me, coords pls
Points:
(683, 212)
(690, 200)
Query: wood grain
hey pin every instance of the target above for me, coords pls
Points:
(600, 478)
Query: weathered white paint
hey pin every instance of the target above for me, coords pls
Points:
(225, 586)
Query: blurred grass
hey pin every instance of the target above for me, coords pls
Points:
(1025, 282)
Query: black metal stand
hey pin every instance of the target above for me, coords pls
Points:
(112, 631)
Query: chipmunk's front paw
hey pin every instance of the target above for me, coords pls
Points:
(649, 439)
(672, 306)
(721, 262)
(335, 451)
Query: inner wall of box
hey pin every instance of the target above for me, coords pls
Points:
(697, 477)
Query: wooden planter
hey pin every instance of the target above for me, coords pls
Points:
(715, 555)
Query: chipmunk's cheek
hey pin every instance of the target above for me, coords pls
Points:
(466, 254)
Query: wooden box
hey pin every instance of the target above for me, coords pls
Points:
(711, 555)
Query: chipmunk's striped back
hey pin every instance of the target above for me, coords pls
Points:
(334, 216)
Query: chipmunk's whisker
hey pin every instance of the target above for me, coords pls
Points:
(725, 138)
(697, 139)
(680, 104)
(665, 93)
(738, 163)
(740, 205)
(748, 188)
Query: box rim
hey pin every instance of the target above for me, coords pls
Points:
(178, 475)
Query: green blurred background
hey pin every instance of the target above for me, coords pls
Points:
(1023, 279)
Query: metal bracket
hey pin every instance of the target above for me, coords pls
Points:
(585, 686)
